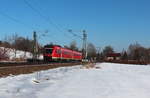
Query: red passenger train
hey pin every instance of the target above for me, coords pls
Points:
(57, 53)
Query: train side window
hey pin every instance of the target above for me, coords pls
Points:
(49, 50)
(77, 55)
(66, 52)
(58, 51)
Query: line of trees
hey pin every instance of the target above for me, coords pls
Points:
(134, 51)
(15, 43)
(138, 52)
(72, 46)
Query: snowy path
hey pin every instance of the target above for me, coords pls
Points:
(111, 81)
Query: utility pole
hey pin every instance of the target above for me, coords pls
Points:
(35, 52)
(84, 39)
(84, 44)
(35, 46)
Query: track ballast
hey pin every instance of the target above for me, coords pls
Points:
(16, 68)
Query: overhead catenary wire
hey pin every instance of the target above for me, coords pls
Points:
(60, 29)
(42, 16)
(75, 34)
(45, 18)
(25, 24)
(15, 20)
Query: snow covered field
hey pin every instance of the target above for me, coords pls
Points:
(111, 81)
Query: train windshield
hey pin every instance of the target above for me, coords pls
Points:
(49, 50)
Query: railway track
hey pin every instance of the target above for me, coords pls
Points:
(15, 68)
(13, 64)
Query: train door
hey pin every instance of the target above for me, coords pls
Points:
(48, 54)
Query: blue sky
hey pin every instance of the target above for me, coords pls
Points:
(107, 22)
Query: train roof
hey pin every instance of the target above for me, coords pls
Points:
(50, 46)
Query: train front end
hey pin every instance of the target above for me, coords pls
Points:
(48, 50)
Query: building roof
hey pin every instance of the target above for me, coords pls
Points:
(113, 55)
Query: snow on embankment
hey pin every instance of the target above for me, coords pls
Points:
(17, 54)
(111, 81)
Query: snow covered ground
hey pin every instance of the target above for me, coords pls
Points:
(111, 81)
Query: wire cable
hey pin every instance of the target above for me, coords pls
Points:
(47, 19)
(42, 16)
(15, 20)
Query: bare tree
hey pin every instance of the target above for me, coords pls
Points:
(13, 43)
(65, 46)
(132, 49)
(107, 50)
(124, 55)
(73, 46)
(6, 42)
(5, 48)
(1, 43)
(3, 54)
(138, 52)
(91, 51)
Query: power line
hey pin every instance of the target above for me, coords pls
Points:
(45, 18)
(60, 29)
(74, 34)
(15, 20)
(42, 16)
